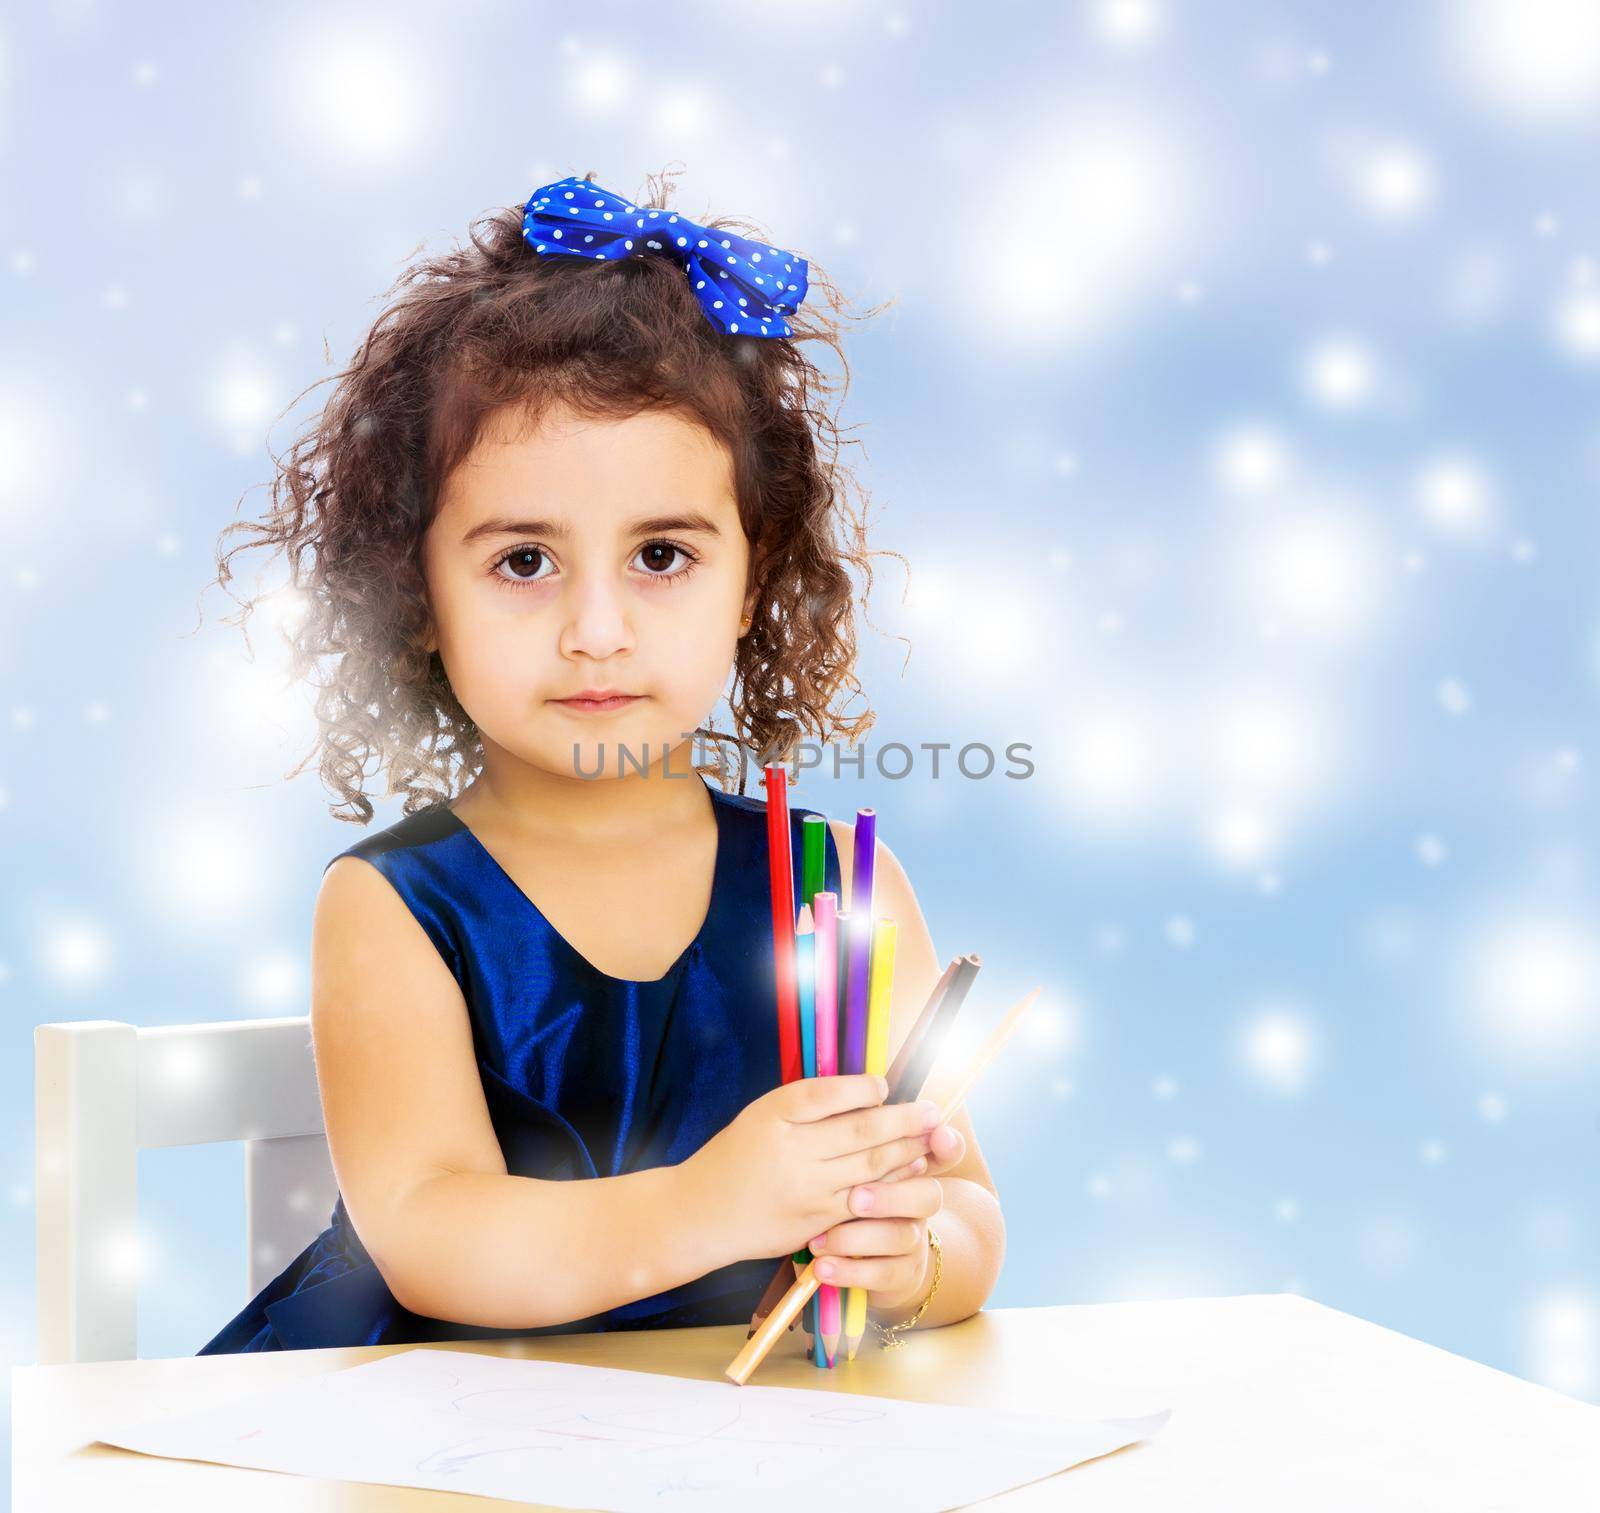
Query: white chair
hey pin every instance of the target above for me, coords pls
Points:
(103, 1092)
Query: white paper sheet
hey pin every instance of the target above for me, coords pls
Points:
(593, 1437)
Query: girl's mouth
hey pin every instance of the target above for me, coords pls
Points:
(600, 706)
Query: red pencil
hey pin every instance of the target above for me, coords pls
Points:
(780, 853)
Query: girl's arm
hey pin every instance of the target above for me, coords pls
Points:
(419, 1164)
(520, 1253)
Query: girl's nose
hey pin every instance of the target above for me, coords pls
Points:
(596, 623)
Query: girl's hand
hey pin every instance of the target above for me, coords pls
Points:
(886, 1250)
(786, 1165)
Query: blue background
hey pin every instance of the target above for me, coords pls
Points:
(1237, 412)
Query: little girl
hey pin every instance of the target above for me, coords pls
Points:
(569, 484)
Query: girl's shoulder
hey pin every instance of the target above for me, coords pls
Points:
(418, 866)
(411, 831)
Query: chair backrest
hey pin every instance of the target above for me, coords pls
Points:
(104, 1091)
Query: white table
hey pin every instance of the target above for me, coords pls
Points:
(1282, 1405)
(1278, 1404)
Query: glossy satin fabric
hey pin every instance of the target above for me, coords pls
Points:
(585, 1075)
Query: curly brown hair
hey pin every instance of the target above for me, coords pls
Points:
(491, 325)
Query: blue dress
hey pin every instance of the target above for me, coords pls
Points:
(586, 1075)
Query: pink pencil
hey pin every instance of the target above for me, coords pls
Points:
(825, 990)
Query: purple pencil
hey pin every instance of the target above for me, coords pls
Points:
(858, 943)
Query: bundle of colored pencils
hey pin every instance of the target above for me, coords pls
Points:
(835, 973)
(835, 969)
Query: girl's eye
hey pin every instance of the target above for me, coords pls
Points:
(524, 562)
(657, 553)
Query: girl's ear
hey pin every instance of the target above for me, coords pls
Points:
(752, 593)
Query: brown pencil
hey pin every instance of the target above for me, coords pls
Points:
(782, 1280)
(912, 1065)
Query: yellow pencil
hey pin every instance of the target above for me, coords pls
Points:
(879, 985)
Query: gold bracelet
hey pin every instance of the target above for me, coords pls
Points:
(889, 1334)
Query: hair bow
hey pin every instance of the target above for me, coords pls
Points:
(743, 286)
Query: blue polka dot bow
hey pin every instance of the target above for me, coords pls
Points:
(743, 286)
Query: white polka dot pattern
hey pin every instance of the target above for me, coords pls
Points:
(745, 288)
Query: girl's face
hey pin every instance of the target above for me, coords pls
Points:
(587, 555)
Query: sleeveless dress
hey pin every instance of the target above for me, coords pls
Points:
(586, 1075)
